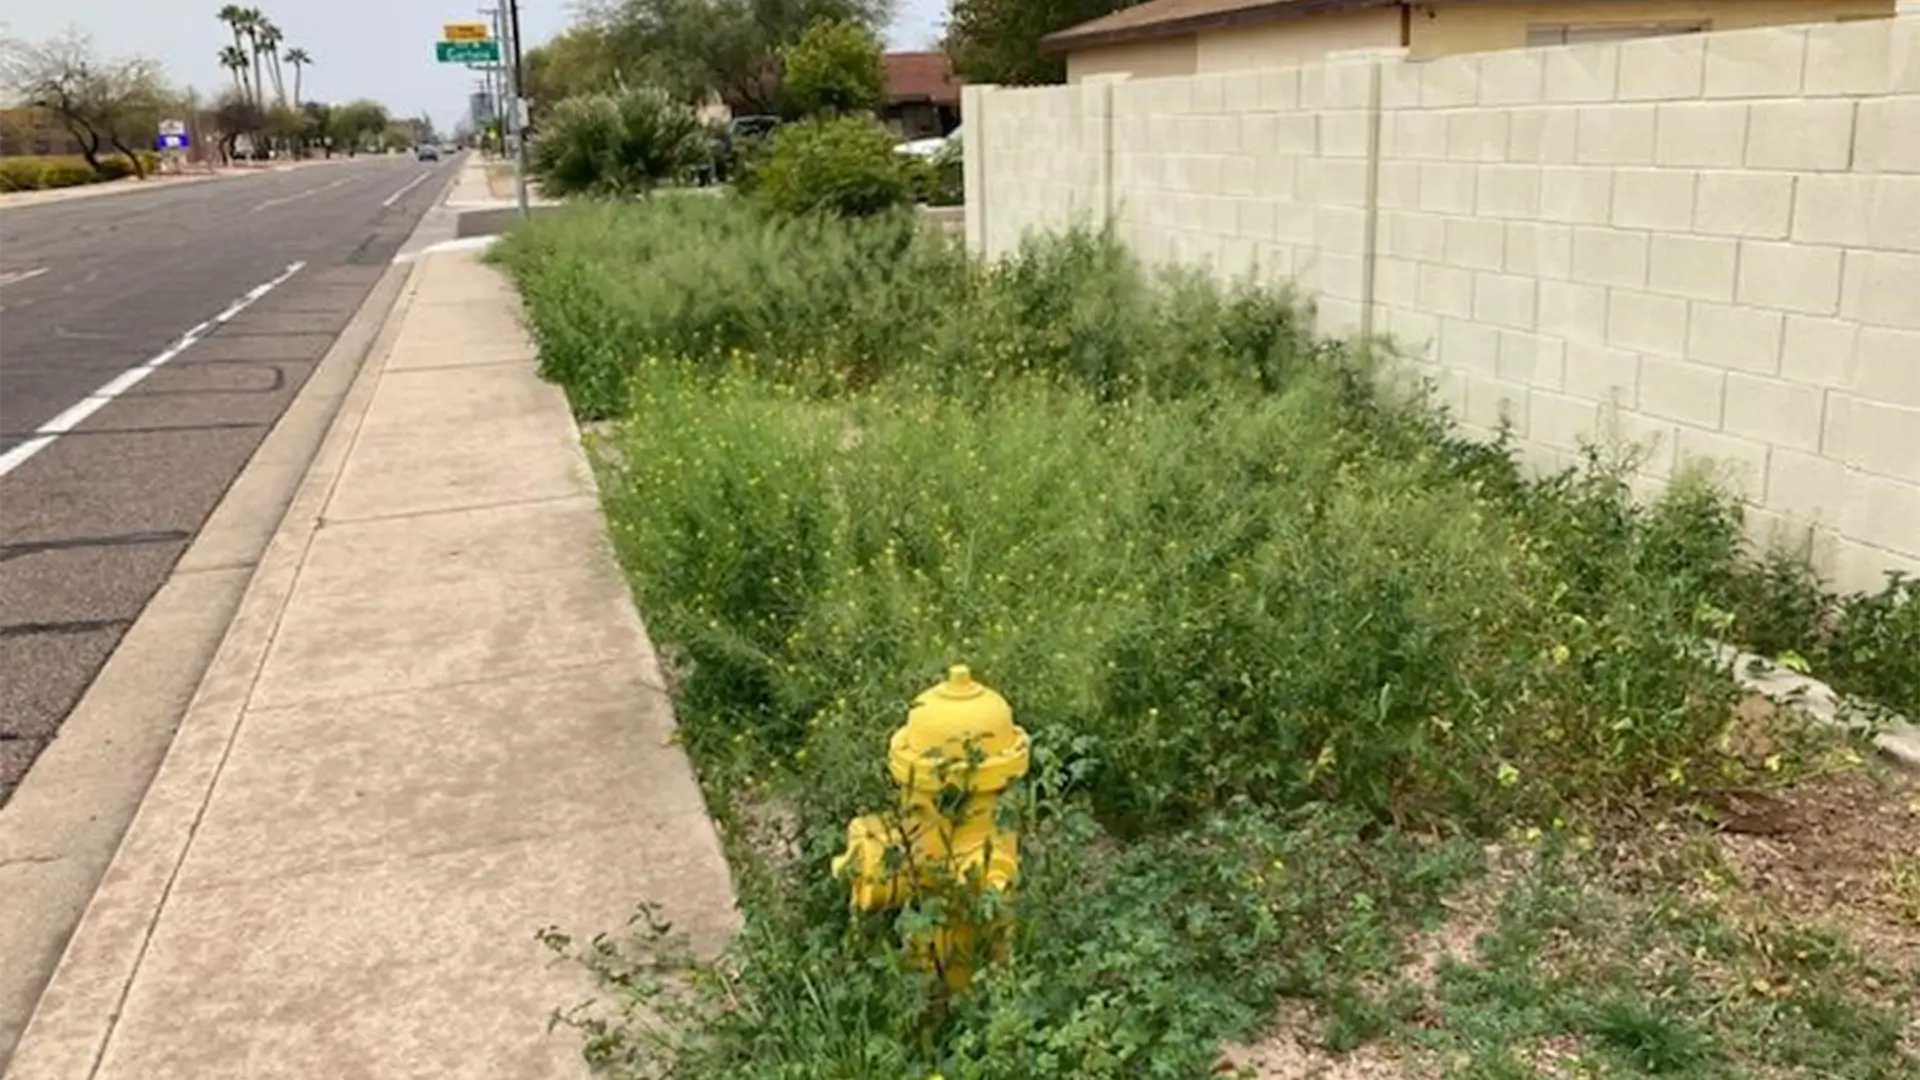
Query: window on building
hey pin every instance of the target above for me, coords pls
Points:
(1582, 34)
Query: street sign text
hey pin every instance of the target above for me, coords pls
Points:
(466, 31)
(467, 52)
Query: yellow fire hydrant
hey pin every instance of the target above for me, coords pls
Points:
(957, 753)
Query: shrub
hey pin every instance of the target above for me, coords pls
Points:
(119, 166)
(939, 180)
(20, 174)
(834, 68)
(616, 144)
(844, 166)
(37, 173)
(1265, 578)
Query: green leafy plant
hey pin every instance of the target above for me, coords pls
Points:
(835, 68)
(38, 173)
(620, 144)
(843, 165)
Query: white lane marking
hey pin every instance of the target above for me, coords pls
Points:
(408, 186)
(44, 435)
(298, 195)
(15, 277)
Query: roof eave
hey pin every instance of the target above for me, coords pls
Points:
(1067, 40)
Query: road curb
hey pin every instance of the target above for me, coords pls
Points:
(70, 826)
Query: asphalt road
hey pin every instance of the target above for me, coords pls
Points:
(93, 518)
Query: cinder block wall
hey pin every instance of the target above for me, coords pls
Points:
(1708, 245)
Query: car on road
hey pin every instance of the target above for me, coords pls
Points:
(427, 153)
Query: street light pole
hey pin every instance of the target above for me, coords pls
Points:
(519, 110)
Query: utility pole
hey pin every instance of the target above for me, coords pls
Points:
(497, 79)
(519, 110)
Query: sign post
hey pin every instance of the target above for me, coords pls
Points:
(476, 43)
(170, 139)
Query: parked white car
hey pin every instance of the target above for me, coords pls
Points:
(929, 147)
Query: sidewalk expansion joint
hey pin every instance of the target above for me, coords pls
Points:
(529, 361)
(324, 522)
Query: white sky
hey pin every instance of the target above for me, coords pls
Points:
(380, 49)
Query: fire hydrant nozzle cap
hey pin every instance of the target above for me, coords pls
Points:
(959, 683)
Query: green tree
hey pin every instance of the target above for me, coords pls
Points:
(730, 49)
(584, 59)
(835, 68)
(285, 125)
(319, 124)
(234, 115)
(359, 125)
(107, 105)
(998, 41)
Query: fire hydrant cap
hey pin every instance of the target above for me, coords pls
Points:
(955, 715)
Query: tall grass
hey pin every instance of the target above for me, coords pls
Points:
(1245, 593)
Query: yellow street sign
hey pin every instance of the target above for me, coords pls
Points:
(466, 31)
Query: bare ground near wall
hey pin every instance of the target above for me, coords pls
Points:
(1762, 876)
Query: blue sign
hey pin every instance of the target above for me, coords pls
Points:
(173, 142)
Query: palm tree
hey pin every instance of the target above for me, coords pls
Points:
(298, 58)
(250, 22)
(233, 15)
(234, 59)
(238, 20)
(267, 39)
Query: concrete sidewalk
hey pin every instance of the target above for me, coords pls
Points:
(435, 726)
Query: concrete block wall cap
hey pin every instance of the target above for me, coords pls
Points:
(1902, 744)
(1896, 737)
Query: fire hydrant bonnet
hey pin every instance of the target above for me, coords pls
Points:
(951, 720)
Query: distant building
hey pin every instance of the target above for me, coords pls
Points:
(1192, 37)
(923, 95)
(25, 130)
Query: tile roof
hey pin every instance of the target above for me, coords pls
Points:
(921, 76)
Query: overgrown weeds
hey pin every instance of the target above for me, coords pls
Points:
(1284, 647)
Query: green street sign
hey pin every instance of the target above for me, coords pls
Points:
(467, 52)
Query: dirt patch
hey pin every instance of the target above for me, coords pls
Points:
(1838, 847)
(1471, 913)
(1292, 1051)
